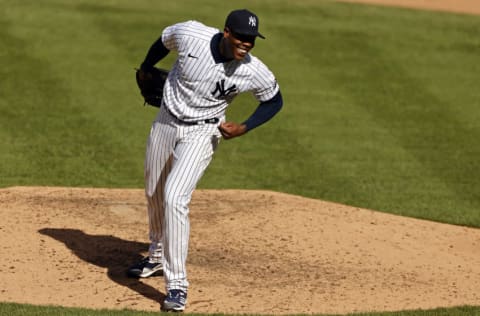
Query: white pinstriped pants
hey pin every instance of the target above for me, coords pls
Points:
(176, 158)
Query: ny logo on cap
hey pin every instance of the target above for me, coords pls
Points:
(252, 21)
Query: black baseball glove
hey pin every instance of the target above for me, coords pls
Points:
(151, 84)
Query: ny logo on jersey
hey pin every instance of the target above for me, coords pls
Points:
(220, 89)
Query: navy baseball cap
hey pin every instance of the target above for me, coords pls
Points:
(243, 22)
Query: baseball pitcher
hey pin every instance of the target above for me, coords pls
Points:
(211, 69)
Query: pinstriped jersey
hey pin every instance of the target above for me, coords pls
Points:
(200, 85)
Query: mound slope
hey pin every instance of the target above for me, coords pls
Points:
(250, 252)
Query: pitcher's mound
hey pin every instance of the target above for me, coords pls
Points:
(250, 252)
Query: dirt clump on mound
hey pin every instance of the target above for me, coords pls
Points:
(250, 252)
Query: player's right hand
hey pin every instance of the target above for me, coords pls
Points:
(230, 130)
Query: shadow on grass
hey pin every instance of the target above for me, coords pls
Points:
(108, 252)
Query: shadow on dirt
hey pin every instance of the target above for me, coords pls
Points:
(108, 252)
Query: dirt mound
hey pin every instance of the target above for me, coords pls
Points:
(250, 252)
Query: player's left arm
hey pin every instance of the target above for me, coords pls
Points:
(264, 112)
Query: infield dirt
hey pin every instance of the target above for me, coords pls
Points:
(457, 6)
(250, 251)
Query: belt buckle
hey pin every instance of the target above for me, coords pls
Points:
(211, 120)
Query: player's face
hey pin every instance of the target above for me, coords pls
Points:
(239, 45)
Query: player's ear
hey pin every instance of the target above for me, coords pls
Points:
(226, 32)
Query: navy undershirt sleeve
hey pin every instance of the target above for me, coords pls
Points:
(264, 112)
(156, 52)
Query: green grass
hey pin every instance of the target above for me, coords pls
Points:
(32, 310)
(382, 106)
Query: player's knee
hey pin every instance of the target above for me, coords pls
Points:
(176, 203)
(170, 201)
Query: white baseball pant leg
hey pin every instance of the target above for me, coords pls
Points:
(177, 157)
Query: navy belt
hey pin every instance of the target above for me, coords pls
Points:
(214, 120)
